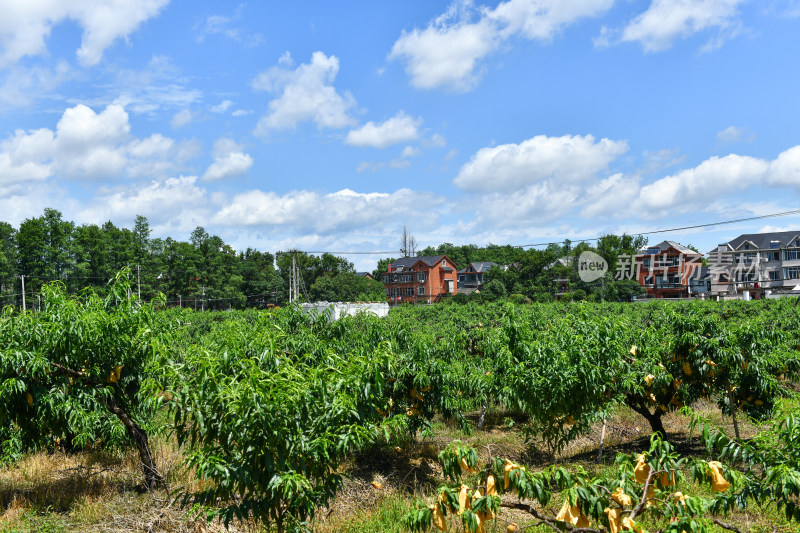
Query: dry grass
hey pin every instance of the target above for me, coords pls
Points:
(100, 491)
(97, 491)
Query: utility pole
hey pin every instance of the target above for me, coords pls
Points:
(138, 281)
(23, 292)
(294, 282)
(180, 303)
(203, 300)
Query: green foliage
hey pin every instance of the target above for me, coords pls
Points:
(268, 404)
(640, 484)
(270, 425)
(347, 287)
(73, 371)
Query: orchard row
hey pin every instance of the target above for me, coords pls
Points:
(268, 404)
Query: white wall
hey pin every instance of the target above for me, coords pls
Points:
(336, 310)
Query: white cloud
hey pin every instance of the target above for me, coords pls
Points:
(667, 20)
(448, 52)
(230, 161)
(534, 204)
(177, 204)
(25, 24)
(733, 134)
(89, 145)
(613, 196)
(400, 128)
(694, 187)
(410, 151)
(446, 55)
(21, 86)
(155, 145)
(660, 159)
(21, 201)
(785, 169)
(305, 211)
(80, 126)
(543, 19)
(227, 27)
(181, 118)
(24, 171)
(304, 94)
(242, 112)
(158, 86)
(566, 159)
(86, 142)
(221, 107)
(437, 140)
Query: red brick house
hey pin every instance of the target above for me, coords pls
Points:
(420, 279)
(666, 269)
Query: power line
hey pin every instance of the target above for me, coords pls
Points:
(697, 226)
(653, 232)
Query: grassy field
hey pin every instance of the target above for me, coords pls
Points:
(98, 491)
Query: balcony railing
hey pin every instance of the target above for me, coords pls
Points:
(669, 286)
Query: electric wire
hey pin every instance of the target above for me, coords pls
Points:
(532, 245)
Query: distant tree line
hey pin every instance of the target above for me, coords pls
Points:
(204, 272)
(541, 274)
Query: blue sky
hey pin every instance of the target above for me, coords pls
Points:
(331, 125)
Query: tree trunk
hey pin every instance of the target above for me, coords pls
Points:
(654, 419)
(732, 405)
(482, 417)
(152, 479)
(656, 424)
(602, 441)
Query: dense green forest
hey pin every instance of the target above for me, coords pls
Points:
(206, 273)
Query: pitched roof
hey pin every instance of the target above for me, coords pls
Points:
(665, 245)
(479, 266)
(762, 240)
(408, 262)
(483, 266)
(567, 261)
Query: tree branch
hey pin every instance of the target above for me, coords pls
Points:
(725, 525)
(544, 521)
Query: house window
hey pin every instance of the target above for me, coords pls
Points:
(421, 291)
(774, 275)
(409, 291)
(671, 282)
(791, 273)
(747, 276)
(421, 277)
(791, 255)
(646, 263)
(723, 278)
(444, 263)
(773, 256)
